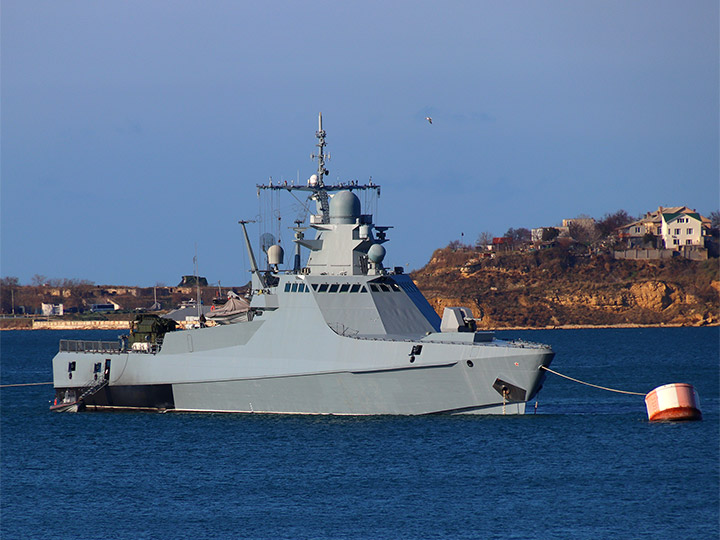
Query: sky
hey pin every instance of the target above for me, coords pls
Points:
(133, 133)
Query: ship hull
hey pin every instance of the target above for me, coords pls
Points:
(275, 364)
(340, 394)
(371, 377)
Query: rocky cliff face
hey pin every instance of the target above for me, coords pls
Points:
(556, 288)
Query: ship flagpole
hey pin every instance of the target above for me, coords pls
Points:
(197, 287)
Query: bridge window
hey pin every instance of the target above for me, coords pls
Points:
(334, 287)
(323, 287)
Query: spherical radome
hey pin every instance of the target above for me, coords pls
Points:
(376, 253)
(344, 207)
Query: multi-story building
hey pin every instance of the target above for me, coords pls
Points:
(682, 229)
(673, 227)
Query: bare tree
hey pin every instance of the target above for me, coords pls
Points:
(610, 222)
(9, 281)
(715, 219)
(584, 232)
(518, 235)
(38, 280)
(549, 234)
(484, 239)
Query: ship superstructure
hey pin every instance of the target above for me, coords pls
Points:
(340, 334)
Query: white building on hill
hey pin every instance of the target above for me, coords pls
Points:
(675, 227)
(681, 229)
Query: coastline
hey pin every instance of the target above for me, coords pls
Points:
(601, 326)
(125, 325)
(65, 325)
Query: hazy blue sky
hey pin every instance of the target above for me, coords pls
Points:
(133, 131)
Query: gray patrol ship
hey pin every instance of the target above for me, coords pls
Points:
(341, 334)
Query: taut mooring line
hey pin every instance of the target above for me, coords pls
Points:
(24, 384)
(593, 385)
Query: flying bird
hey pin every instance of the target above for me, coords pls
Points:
(428, 119)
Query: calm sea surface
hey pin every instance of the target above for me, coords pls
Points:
(588, 465)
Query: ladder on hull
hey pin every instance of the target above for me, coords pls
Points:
(74, 405)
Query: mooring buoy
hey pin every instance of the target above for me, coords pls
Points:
(676, 401)
(669, 402)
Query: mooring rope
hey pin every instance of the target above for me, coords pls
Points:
(593, 385)
(24, 384)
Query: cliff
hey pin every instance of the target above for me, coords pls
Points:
(540, 289)
(556, 288)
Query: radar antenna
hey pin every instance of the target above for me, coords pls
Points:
(321, 155)
(319, 190)
(321, 195)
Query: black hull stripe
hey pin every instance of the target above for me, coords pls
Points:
(148, 396)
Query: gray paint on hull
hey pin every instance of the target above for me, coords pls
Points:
(404, 392)
(385, 382)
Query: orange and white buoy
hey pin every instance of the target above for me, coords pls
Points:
(677, 401)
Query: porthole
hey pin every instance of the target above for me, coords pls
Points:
(470, 363)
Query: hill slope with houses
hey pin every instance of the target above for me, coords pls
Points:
(660, 269)
(659, 234)
(556, 287)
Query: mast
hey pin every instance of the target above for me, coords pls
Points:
(319, 191)
(321, 195)
(298, 236)
(320, 134)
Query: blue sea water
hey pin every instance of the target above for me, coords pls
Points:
(588, 465)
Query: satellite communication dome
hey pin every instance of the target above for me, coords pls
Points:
(344, 207)
(376, 253)
(275, 254)
(313, 180)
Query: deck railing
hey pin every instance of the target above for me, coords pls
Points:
(74, 345)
